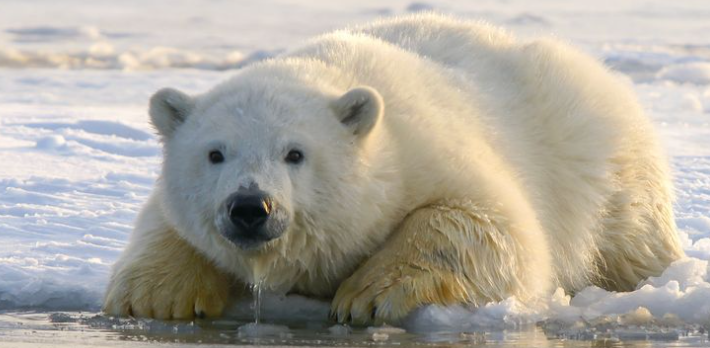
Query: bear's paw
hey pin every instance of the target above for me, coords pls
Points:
(371, 296)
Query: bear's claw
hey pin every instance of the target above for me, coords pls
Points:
(369, 297)
(164, 287)
(150, 300)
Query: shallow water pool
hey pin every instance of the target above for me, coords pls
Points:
(76, 329)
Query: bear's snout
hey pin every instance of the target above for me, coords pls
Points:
(249, 211)
(251, 217)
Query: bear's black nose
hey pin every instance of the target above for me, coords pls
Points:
(249, 211)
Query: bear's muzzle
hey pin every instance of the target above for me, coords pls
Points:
(250, 218)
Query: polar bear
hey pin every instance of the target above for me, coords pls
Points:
(416, 160)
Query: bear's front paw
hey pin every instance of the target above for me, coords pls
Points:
(167, 292)
(387, 294)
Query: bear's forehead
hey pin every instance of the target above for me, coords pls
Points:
(243, 122)
(263, 111)
(238, 123)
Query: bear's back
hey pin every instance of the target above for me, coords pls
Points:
(556, 115)
(447, 41)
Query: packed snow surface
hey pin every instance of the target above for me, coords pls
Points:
(78, 158)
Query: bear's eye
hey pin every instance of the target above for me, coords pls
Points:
(216, 157)
(294, 157)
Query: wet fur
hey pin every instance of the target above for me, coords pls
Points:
(497, 168)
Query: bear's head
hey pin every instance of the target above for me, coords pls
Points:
(261, 160)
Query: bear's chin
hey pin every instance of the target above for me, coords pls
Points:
(248, 244)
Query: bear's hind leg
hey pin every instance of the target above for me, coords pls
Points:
(639, 239)
(455, 252)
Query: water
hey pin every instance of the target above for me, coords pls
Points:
(43, 329)
(256, 289)
(256, 329)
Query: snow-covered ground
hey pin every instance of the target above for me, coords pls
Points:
(78, 158)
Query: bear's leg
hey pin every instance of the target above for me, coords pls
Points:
(162, 276)
(639, 238)
(449, 253)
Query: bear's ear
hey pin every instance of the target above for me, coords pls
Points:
(359, 109)
(168, 109)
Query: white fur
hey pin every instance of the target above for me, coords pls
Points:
(537, 133)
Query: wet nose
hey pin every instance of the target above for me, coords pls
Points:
(250, 211)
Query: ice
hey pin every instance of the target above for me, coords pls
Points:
(386, 329)
(253, 330)
(638, 317)
(384, 332)
(688, 272)
(419, 7)
(697, 73)
(340, 330)
(681, 295)
(78, 157)
(51, 142)
(276, 307)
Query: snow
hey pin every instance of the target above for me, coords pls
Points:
(78, 158)
(697, 73)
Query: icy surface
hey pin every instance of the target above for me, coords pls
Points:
(78, 158)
